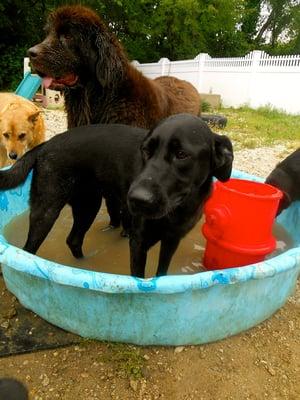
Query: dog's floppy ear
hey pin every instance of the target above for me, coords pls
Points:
(109, 67)
(33, 117)
(223, 157)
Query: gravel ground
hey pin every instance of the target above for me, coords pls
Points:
(55, 121)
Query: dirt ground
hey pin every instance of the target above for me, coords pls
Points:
(262, 363)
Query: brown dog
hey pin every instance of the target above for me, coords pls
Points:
(21, 127)
(81, 56)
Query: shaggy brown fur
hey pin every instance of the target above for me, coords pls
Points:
(84, 58)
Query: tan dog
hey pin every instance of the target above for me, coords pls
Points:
(21, 127)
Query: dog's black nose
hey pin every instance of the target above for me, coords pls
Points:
(140, 199)
(13, 155)
(32, 52)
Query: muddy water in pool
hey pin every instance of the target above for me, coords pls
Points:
(106, 251)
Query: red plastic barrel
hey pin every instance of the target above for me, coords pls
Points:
(239, 217)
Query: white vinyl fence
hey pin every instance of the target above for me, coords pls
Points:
(255, 80)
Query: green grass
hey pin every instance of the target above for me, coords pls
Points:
(126, 359)
(205, 106)
(249, 128)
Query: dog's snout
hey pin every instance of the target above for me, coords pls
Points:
(13, 155)
(140, 198)
(33, 52)
(146, 200)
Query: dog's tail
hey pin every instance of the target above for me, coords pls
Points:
(14, 176)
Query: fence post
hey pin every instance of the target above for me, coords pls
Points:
(201, 58)
(165, 66)
(253, 95)
(26, 66)
(135, 63)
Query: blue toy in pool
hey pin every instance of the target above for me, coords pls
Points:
(170, 310)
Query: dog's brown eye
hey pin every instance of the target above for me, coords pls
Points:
(181, 155)
(65, 38)
(22, 136)
(6, 135)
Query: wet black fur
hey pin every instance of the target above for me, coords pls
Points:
(286, 177)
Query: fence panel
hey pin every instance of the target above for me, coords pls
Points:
(257, 79)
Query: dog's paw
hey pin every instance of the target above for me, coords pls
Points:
(124, 233)
(77, 252)
(109, 228)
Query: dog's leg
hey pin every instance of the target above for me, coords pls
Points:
(114, 209)
(126, 222)
(42, 218)
(138, 257)
(84, 209)
(47, 198)
(168, 247)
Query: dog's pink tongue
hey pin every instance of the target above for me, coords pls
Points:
(47, 81)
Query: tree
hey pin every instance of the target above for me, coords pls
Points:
(294, 31)
(20, 27)
(221, 21)
(279, 24)
(180, 29)
(250, 18)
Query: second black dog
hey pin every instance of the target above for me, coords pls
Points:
(160, 180)
(286, 177)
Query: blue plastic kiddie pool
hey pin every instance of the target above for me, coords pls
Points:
(170, 310)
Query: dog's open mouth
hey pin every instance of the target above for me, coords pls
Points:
(53, 83)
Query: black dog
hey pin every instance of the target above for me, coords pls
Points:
(167, 174)
(286, 177)
(11, 389)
